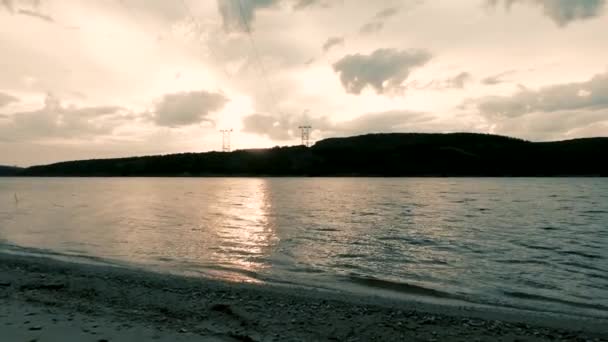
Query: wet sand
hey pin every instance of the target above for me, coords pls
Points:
(50, 300)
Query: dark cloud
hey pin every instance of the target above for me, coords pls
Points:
(562, 12)
(187, 108)
(583, 96)
(331, 42)
(54, 120)
(36, 15)
(498, 78)
(302, 4)
(6, 99)
(238, 15)
(384, 70)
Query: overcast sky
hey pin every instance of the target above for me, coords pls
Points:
(108, 78)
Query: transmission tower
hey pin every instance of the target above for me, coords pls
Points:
(226, 139)
(305, 135)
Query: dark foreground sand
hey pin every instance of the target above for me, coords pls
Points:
(49, 300)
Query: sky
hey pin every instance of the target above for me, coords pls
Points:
(114, 78)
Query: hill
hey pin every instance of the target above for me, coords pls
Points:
(9, 170)
(395, 154)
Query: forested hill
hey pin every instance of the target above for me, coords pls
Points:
(9, 170)
(396, 154)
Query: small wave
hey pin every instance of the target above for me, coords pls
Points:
(541, 298)
(326, 229)
(582, 254)
(523, 262)
(410, 240)
(595, 212)
(400, 287)
(364, 213)
(465, 200)
(307, 270)
(351, 255)
(539, 247)
(74, 257)
(222, 272)
(583, 266)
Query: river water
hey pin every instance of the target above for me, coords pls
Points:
(533, 243)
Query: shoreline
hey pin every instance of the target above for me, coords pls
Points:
(195, 307)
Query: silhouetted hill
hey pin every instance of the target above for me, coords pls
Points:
(397, 154)
(9, 170)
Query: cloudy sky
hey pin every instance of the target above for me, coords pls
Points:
(108, 78)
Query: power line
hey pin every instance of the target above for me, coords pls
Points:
(256, 53)
(190, 13)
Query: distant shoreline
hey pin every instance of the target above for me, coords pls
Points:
(247, 312)
(306, 176)
(372, 155)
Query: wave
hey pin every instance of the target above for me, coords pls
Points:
(541, 298)
(42, 252)
(405, 288)
(581, 254)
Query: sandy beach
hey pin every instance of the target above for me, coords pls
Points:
(50, 300)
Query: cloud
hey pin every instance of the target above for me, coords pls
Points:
(281, 128)
(187, 108)
(302, 4)
(331, 42)
(590, 95)
(498, 78)
(458, 81)
(389, 121)
(377, 22)
(387, 12)
(268, 125)
(36, 15)
(286, 127)
(32, 12)
(372, 27)
(384, 70)
(562, 12)
(6, 99)
(54, 120)
(8, 5)
(561, 125)
(238, 15)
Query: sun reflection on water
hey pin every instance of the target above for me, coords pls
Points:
(245, 233)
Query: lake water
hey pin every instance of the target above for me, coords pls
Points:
(539, 244)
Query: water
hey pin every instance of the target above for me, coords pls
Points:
(539, 244)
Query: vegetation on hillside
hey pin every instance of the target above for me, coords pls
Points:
(9, 170)
(395, 154)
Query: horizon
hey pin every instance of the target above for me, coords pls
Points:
(134, 77)
(219, 150)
